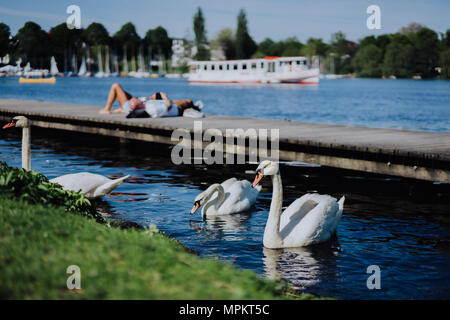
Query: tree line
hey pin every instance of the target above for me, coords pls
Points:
(414, 50)
(35, 45)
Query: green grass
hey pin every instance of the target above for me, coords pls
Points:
(38, 243)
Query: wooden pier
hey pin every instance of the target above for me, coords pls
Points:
(411, 154)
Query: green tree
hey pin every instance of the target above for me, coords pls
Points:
(158, 42)
(314, 47)
(445, 63)
(383, 41)
(128, 38)
(96, 34)
(445, 41)
(399, 57)
(199, 27)
(34, 45)
(426, 44)
(367, 41)
(65, 43)
(265, 48)
(225, 41)
(4, 39)
(200, 36)
(367, 61)
(291, 47)
(245, 46)
(341, 52)
(339, 43)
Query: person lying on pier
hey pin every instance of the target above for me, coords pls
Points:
(158, 105)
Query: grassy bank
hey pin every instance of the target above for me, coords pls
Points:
(44, 230)
(38, 243)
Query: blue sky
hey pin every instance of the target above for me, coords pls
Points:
(267, 18)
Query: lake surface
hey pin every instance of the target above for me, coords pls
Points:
(400, 225)
(398, 104)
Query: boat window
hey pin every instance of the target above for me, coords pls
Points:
(235, 66)
(244, 66)
(253, 66)
(213, 67)
(298, 61)
(262, 65)
(228, 67)
(220, 67)
(204, 67)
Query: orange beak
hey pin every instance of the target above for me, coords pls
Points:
(9, 125)
(258, 178)
(196, 206)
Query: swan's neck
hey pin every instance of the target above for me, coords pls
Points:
(272, 238)
(26, 148)
(217, 202)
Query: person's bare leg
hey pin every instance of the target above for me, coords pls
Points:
(110, 101)
(116, 92)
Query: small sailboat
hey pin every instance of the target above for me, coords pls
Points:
(107, 70)
(74, 65)
(100, 73)
(53, 67)
(83, 70)
(124, 73)
(140, 73)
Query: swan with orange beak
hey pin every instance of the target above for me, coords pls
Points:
(231, 196)
(24, 123)
(312, 218)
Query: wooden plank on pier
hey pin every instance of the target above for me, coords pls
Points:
(412, 154)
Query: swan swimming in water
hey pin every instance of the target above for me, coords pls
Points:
(231, 196)
(91, 185)
(312, 218)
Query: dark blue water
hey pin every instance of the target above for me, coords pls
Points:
(399, 104)
(402, 226)
(386, 222)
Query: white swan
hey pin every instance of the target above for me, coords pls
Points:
(232, 196)
(313, 218)
(90, 184)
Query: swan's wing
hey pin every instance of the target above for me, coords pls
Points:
(239, 196)
(85, 182)
(297, 209)
(108, 187)
(228, 183)
(314, 226)
(90, 184)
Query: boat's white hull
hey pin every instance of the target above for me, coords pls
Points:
(255, 71)
(312, 80)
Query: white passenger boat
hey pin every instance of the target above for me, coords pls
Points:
(266, 70)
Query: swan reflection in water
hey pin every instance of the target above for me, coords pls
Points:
(230, 227)
(302, 267)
